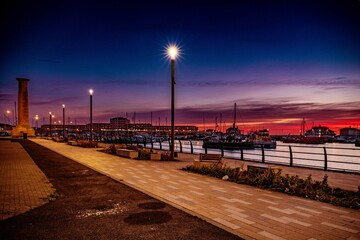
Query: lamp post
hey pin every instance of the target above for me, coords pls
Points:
(91, 125)
(63, 121)
(6, 118)
(50, 123)
(36, 120)
(172, 53)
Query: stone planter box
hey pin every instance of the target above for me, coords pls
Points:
(72, 143)
(127, 153)
(155, 156)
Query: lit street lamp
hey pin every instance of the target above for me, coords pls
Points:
(91, 125)
(172, 52)
(50, 123)
(63, 121)
(36, 120)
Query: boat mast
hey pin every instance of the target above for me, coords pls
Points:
(234, 116)
(303, 127)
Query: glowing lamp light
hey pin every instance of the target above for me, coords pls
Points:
(63, 105)
(172, 52)
(91, 91)
(8, 111)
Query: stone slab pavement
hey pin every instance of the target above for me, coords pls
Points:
(23, 186)
(249, 212)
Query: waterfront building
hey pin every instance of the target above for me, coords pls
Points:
(119, 123)
(349, 132)
(320, 131)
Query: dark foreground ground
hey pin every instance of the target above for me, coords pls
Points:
(89, 205)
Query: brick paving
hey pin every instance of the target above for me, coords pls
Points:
(23, 186)
(249, 212)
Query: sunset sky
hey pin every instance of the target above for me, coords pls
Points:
(279, 61)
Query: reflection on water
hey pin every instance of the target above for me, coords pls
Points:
(339, 156)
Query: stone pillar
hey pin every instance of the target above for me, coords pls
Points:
(23, 128)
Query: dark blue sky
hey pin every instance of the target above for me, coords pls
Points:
(279, 60)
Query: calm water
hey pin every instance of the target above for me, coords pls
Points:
(344, 157)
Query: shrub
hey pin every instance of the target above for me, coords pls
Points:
(143, 155)
(293, 185)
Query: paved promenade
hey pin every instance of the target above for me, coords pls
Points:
(23, 186)
(249, 212)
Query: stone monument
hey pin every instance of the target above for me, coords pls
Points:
(23, 128)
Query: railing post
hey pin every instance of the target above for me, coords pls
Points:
(191, 148)
(160, 145)
(205, 150)
(180, 146)
(144, 142)
(325, 155)
(291, 156)
(152, 144)
(263, 153)
(170, 145)
(222, 150)
(137, 142)
(241, 153)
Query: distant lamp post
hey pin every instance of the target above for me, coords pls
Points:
(91, 125)
(172, 52)
(7, 112)
(50, 116)
(63, 106)
(36, 120)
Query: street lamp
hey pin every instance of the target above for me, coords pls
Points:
(36, 120)
(91, 125)
(172, 52)
(50, 123)
(6, 118)
(63, 121)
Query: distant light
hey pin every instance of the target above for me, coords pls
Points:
(91, 91)
(36, 117)
(63, 105)
(172, 52)
(50, 113)
(8, 111)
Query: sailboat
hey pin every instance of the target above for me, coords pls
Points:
(304, 138)
(231, 141)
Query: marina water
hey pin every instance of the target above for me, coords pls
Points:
(333, 156)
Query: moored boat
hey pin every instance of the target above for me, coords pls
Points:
(261, 138)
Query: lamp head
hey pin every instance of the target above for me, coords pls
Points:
(173, 52)
(63, 105)
(91, 91)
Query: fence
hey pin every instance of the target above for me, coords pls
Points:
(326, 157)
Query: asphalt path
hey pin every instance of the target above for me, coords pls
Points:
(90, 205)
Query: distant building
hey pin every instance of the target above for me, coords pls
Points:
(99, 126)
(119, 123)
(349, 132)
(320, 131)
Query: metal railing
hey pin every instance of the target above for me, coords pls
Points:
(328, 158)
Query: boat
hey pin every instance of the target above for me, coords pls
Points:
(226, 145)
(316, 135)
(262, 139)
(232, 140)
(303, 140)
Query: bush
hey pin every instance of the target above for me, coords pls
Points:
(143, 155)
(292, 185)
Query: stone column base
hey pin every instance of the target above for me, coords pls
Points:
(19, 131)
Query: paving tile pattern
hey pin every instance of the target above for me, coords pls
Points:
(23, 186)
(249, 212)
